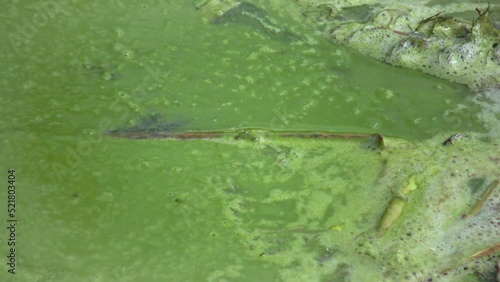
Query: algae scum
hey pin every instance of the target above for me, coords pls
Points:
(146, 153)
(432, 38)
(366, 207)
(378, 209)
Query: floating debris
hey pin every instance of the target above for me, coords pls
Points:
(376, 141)
(396, 206)
(493, 249)
(324, 135)
(391, 214)
(154, 128)
(411, 185)
(443, 44)
(241, 134)
(245, 135)
(454, 138)
(483, 198)
(223, 11)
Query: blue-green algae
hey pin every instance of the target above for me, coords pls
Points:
(97, 208)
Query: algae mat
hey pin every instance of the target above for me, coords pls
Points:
(263, 203)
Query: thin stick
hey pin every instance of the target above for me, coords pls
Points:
(324, 135)
(219, 134)
(485, 196)
(486, 252)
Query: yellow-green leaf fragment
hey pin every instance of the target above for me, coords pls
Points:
(391, 214)
(410, 186)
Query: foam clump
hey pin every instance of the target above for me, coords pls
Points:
(423, 38)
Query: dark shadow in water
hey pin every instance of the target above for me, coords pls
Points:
(151, 124)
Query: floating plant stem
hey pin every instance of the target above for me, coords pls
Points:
(483, 198)
(243, 134)
(323, 135)
(485, 252)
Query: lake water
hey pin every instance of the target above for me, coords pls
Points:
(96, 208)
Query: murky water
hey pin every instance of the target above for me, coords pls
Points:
(96, 208)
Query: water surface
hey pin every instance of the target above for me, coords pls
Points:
(96, 208)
